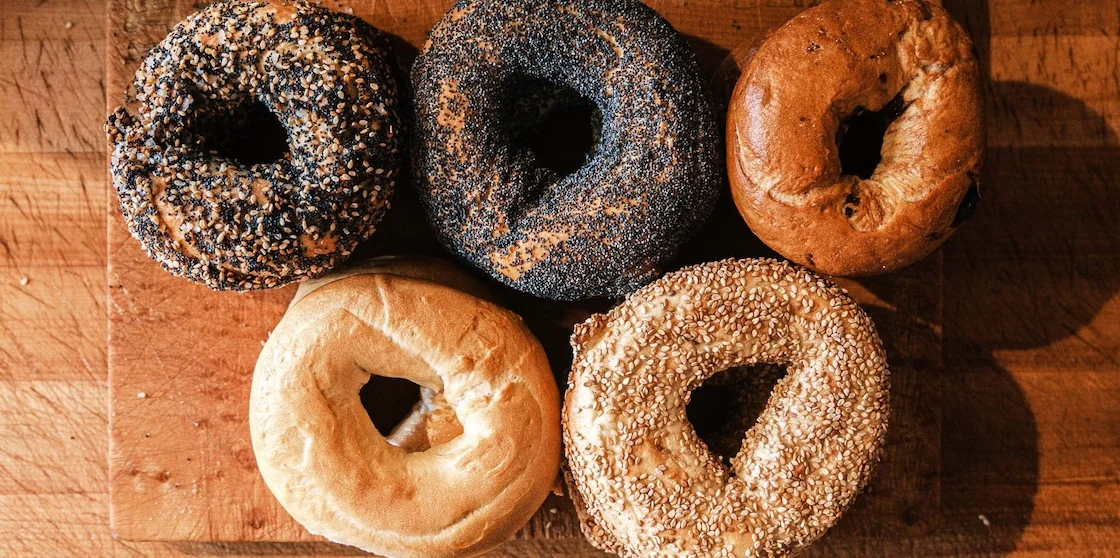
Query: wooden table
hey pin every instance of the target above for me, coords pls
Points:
(1030, 391)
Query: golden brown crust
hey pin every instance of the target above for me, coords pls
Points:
(432, 421)
(727, 74)
(808, 76)
(643, 482)
(328, 466)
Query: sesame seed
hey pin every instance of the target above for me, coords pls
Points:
(644, 482)
(204, 214)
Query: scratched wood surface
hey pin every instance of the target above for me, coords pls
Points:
(1030, 439)
(181, 465)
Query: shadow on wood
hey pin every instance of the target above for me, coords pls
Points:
(1026, 239)
(708, 53)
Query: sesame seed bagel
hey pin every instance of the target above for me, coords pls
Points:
(902, 66)
(463, 472)
(648, 183)
(643, 481)
(201, 202)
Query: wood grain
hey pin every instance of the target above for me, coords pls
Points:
(1031, 310)
(51, 50)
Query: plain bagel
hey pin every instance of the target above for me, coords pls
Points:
(459, 476)
(905, 63)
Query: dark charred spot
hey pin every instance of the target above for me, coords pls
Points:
(933, 236)
(883, 77)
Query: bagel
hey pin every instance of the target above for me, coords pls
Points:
(491, 71)
(644, 483)
(828, 80)
(318, 88)
(431, 420)
(462, 473)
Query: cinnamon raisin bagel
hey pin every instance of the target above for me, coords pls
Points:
(650, 180)
(463, 472)
(817, 91)
(263, 145)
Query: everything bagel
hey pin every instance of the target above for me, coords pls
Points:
(200, 201)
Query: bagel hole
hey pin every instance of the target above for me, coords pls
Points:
(557, 124)
(247, 134)
(388, 401)
(859, 140)
(728, 403)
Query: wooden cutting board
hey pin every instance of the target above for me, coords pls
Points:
(181, 357)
